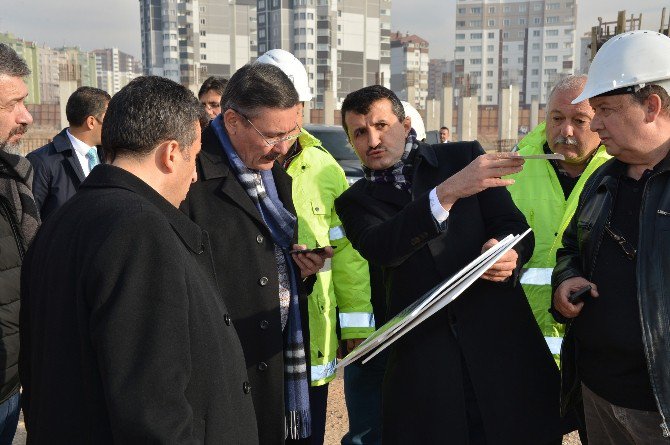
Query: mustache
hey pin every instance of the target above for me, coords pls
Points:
(567, 140)
(377, 147)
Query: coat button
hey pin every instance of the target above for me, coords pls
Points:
(264, 324)
(226, 319)
(263, 281)
(259, 239)
(246, 387)
(262, 366)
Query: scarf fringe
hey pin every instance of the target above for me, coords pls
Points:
(297, 425)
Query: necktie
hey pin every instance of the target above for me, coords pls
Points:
(92, 157)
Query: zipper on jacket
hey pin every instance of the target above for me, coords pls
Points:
(12, 223)
(662, 212)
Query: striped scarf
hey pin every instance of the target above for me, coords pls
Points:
(16, 181)
(399, 174)
(281, 223)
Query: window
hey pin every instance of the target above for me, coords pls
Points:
(535, 84)
(535, 72)
(553, 6)
(489, 60)
(537, 7)
(261, 4)
(491, 35)
(492, 9)
(504, 60)
(505, 35)
(203, 45)
(519, 60)
(490, 48)
(536, 46)
(535, 59)
(476, 35)
(506, 22)
(520, 47)
(476, 23)
(522, 8)
(551, 45)
(461, 10)
(552, 32)
(537, 20)
(552, 20)
(475, 10)
(489, 98)
(550, 71)
(202, 21)
(460, 49)
(460, 36)
(460, 23)
(203, 56)
(536, 33)
(505, 48)
(261, 19)
(491, 23)
(567, 45)
(551, 58)
(489, 86)
(489, 73)
(506, 9)
(476, 49)
(522, 21)
(475, 61)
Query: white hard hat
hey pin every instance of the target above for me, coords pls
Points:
(292, 67)
(632, 59)
(417, 122)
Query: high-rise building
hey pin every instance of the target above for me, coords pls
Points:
(528, 44)
(30, 52)
(344, 45)
(115, 69)
(409, 68)
(190, 40)
(439, 72)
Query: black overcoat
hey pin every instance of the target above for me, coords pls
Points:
(123, 332)
(246, 269)
(490, 328)
(58, 173)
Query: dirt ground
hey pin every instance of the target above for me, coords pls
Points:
(336, 420)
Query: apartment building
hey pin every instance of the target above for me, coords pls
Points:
(190, 40)
(343, 44)
(114, 69)
(527, 44)
(409, 68)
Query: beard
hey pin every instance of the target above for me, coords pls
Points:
(13, 147)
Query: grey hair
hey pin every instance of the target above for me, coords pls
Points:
(569, 83)
(11, 64)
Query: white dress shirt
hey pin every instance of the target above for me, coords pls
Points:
(80, 148)
(439, 213)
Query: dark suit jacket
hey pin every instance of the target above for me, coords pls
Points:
(490, 329)
(58, 173)
(124, 335)
(246, 269)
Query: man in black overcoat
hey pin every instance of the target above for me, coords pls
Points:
(125, 337)
(243, 199)
(478, 371)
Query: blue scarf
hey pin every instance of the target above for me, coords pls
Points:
(281, 224)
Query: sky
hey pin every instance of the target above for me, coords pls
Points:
(93, 24)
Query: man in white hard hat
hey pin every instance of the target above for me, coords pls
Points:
(344, 284)
(616, 350)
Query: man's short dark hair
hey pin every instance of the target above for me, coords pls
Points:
(444, 128)
(256, 86)
(146, 112)
(215, 83)
(360, 101)
(85, 102)
(643, 94)
(11, 64)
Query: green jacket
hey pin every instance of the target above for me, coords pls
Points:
(344, 282)
(539, 195)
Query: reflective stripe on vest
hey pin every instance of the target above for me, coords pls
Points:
(538, 276)
(554, 344)
(327, 265)
(320, 372)
(357, 320)
(336, 233)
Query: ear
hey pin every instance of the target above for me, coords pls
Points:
(166, 155)
(90, 122)
(231, 120)
(652, 107)
(407, 124)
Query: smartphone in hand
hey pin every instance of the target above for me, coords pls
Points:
(580, 294)
(315, 250)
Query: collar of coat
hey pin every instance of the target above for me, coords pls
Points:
(110, 176)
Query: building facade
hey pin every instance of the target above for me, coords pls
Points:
(190, 40)
(114, 69)
(409, 68)
(344, 45)
(526, 44)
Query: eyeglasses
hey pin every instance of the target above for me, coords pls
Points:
(627, 248)
(212, 105)
(273, 141)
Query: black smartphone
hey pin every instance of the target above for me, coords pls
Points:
(580, 294)
(315, 250)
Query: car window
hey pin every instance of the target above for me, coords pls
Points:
(335, 142)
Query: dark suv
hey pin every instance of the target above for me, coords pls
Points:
(334, 139)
